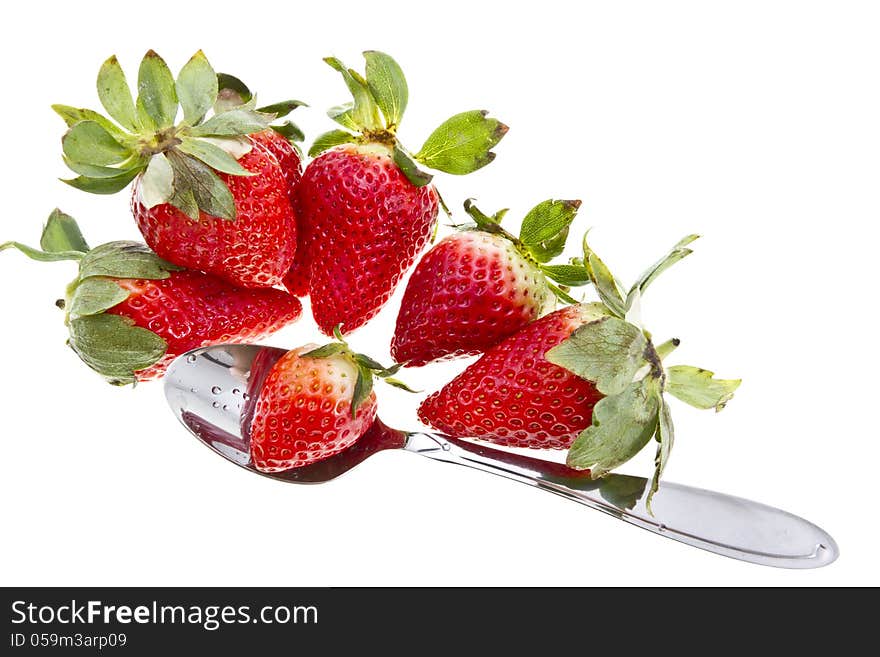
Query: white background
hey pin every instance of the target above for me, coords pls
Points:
(756, 124)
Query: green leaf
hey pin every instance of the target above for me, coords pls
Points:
(568, 275)
(695, 386)
(195, 181)
(157, 96)
(342, 114)
(397, 383)
(387, 84)
(409, 168)
(390, 371)
(368, 363)
(95, 295)
(561, 294)
(104, 185)
(483, 221)
(115, 94)
(606, 285)
(290, 131)
(329, 140)
(115, 348)
(61, 233)
(325, 351)
(42, 256)
(157, 185)
(463, 143)
(545, 228)
(232, 93)
(665, 436)
(622, 425)
(196, 88)
(363, 113)
(73, 115)
(90, 143)
(678, 252)
(124, 259)
(283, 108)
(363, 386)
(93, 171)
(233, 123)
(214, 156)
(608, 351)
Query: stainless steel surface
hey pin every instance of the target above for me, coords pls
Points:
(212, 391)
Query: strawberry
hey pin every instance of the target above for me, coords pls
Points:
(367, 209)
(586, 377)
(130, 313)
(482, 284)
(314, 403)
(206, 196)
(366, 248)
(514, 396)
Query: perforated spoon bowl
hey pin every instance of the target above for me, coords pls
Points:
(213, 391)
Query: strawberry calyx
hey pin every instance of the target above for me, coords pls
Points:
(233, 93)
(460, 145)
(367, 369)
(178, 160)
(110, 344)
(542, 237)
(617, 354)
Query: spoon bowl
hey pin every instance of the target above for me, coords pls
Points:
(213, 391)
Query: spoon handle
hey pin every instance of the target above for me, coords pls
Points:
(726, 525)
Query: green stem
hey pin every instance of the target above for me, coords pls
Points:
(667, 348)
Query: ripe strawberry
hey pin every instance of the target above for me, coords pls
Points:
(514, 396)
(254, 250)
(480, 285)
(367, 210)
(131, 313)
(206, 196)
(586, 377)
(314, 403)
(365, 248)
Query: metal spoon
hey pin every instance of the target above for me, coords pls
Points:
(213, 391)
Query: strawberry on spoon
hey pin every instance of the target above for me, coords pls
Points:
(131, 313)
(367, 210)
(313, 403)
(206, 196)
(482, 284)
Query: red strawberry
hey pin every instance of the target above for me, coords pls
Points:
(367, 224)
(478, 286)
(514, 396)
(130, 313)
(254, 250)
(314, 403)
(366, 208)
(206, 196)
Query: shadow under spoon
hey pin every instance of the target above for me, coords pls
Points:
(213, 391)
